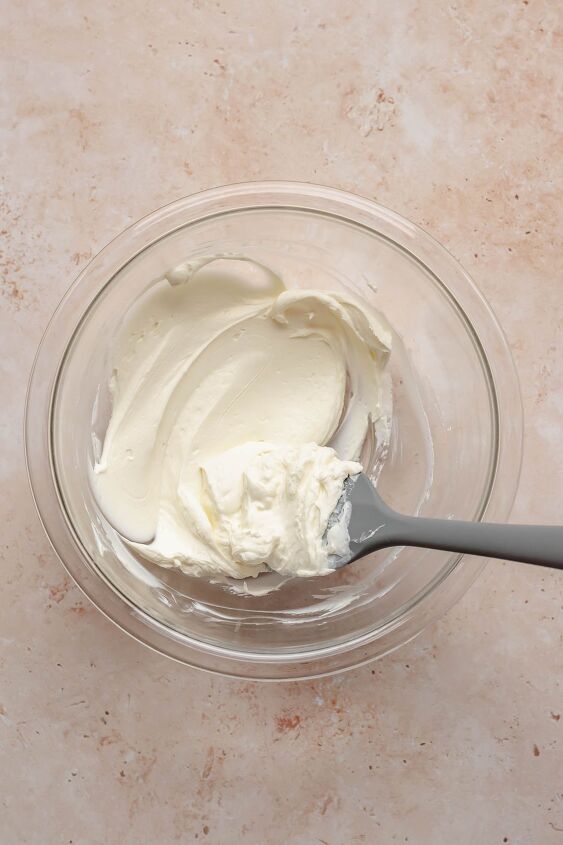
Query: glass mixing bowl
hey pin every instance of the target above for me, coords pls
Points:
(455, 445)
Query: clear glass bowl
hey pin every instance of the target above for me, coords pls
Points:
(455, 446)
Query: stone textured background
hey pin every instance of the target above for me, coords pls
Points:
(449, 113)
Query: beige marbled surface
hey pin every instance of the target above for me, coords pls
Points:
(446, 112)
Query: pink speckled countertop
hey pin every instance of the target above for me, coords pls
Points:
(447, 113)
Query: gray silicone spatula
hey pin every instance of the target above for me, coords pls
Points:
(373, 525)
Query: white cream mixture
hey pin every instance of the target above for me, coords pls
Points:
(238, 409)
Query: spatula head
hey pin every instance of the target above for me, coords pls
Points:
(368, 516)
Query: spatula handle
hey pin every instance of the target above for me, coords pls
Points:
(538, 544)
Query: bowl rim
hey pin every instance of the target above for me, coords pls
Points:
(50, 355)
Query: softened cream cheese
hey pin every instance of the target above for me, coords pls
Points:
(239, 407)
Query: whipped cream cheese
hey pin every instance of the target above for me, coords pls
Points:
(239, 407)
